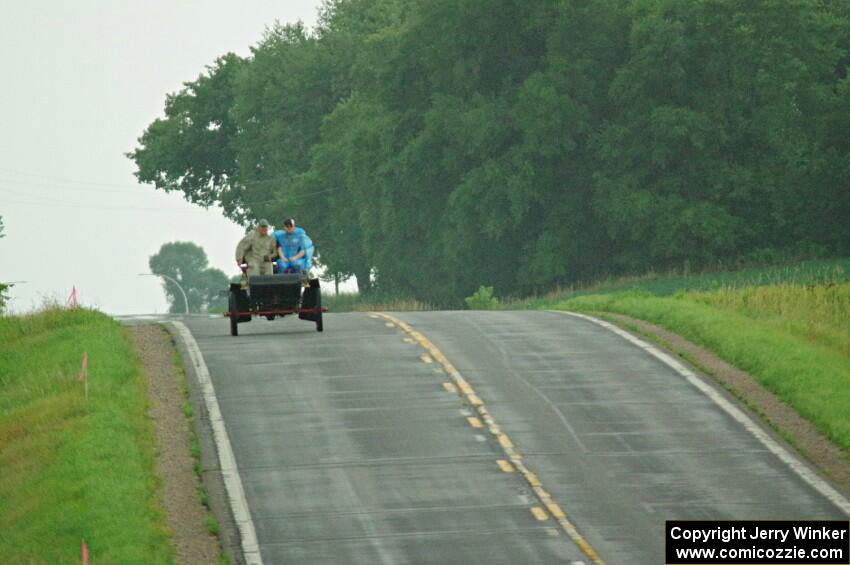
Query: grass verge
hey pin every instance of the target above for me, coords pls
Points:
(816, 272)
(72, 468)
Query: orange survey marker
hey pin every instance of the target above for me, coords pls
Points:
(85, 367)
(85, 550)
(72, 299)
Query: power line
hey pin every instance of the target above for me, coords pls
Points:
(62, 179)
(136, 191)
(41, 198)
(295, 196)
(60, 187)
(97, 207)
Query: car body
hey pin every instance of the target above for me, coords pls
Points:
(275, 296)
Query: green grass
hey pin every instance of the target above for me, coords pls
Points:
(354, 302)
(794, 339)
(667, 284)
(819, 314)
(73, 468)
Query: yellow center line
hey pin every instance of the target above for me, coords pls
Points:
(555, 511)
(474, 400)
(504, 440)
(466, 391)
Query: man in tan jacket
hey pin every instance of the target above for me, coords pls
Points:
(258, 249)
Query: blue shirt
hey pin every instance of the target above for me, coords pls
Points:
(294, 243)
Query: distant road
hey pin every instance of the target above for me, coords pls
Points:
(355, 446)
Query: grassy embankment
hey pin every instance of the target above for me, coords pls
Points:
(789, 327)
(73, 468)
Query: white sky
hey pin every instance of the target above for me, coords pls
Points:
(79, 82)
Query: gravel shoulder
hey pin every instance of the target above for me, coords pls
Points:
(179, 488)
(812, 444)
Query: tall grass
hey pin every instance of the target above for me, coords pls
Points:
(819, 314)
(354, 302)
(833, 271)
(71, 468)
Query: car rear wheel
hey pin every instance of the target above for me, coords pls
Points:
(234, 315)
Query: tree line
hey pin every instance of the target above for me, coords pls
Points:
(431, 146)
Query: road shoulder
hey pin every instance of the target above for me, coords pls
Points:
(186, 515)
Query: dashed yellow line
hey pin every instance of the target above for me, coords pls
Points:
(539, 513)
(505, 466)
(465, 390)
(474, 422)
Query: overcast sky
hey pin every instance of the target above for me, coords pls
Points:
(80, 82)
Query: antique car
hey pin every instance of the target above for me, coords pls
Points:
(275, 296)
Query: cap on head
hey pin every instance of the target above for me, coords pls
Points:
(263, 223)
(289, 222)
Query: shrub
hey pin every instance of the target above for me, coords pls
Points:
(483, 299)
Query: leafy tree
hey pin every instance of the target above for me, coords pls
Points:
(431, 144)
(187, 264)
(712, 153)
(191, 149)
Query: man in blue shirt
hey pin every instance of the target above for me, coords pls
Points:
(295, 248)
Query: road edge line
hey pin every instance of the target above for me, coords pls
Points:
(226, 458)
(466, 391)
(795, 463)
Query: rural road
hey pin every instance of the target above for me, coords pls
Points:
(357, 446)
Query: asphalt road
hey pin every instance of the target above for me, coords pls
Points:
(353, 448)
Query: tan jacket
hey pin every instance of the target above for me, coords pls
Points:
(257, 250)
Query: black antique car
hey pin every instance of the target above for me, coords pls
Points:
(274, 296)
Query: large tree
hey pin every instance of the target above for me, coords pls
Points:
(432, 146)
(715, 149)
(191, 149)
(187, 263)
